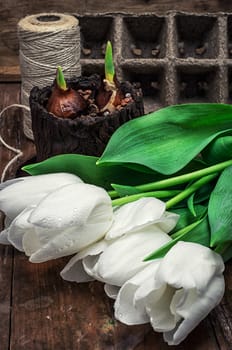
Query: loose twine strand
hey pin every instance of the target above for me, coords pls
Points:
(18, 151)
(44, 45)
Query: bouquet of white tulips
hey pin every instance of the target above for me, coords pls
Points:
(151, 218)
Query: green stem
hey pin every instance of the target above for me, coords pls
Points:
(113, 194)
(181, 179)
(134, 197)
(180, 235)
(186, 229)
(189, 190)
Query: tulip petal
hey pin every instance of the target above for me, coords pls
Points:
(188, 284)
(115, 266)
(64, 242)
(111, 291)
(30, 242)
(125, 309)
(74, 205)
(16, 195)
(135, 215)
(10, 182)
(193, 312)
(157, 307)
(19, 227)
(4, 236)
(168, 221)
(90, 262)
(74, 270)
(70, 219)
(190, 265)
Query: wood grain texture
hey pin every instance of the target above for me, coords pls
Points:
(7, 129)
(11, 127)
(54, 314)
(141, 6)
(6, 270)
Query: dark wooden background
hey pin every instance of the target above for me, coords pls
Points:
(11, 11)
(38, 310)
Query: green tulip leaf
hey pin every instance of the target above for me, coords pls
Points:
(220, 209)
(85, 167)
(218, 150)
(200, 196)
(187, 218)
(191, 205)
(225, 250)
(123, 190)
(168, 139)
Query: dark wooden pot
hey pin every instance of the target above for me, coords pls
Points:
(87, 134)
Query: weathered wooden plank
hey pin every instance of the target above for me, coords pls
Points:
(10, 73)
(141, 6)
(54, 314)
(144, 338)
(11, 128)
(5, 294)
(6, 259)
(221, 317)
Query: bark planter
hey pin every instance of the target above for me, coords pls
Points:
(86, 134)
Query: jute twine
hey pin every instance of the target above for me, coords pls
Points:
(46, 40)
(18, 151)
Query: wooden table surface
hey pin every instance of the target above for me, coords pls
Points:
(40, 311)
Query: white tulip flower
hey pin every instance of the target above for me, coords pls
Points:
(125, 310)
(177, 295)
(17, 194)
(138, 228)
(74, 270)
(122, 259)
(141, 213)
(65, 221)
(114, 261)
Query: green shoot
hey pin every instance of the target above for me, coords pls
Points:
(60, 79)
(109, 64)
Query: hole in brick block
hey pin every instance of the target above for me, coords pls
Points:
(90, 68)
(197, 84)
(151, 82)
(197, 36)
(230, 85)
(95, 31)
(229, 34)
(144, 37)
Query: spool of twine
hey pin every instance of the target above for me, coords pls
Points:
(46, 40)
